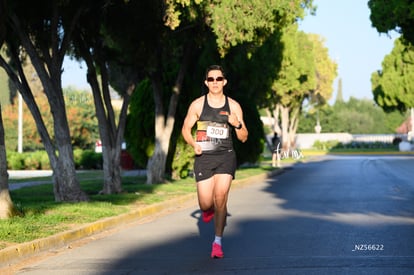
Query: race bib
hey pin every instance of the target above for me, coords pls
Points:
(214, 131)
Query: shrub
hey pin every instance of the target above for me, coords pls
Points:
(183, 160)
(44, 161)
(15, 161)
(396, 141)
(91, 160)
(32, 161)
(325, 145)
(77, 157)
(84, 159)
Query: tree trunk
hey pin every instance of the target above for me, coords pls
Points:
(112, 172)
(7, 209)
(276, 122)
(112, 175)
(111, 136)
(156, 163)
(165, 126)
(112, 156)
(294, 121)
(285, 127)
(111, 146)
(66, 185)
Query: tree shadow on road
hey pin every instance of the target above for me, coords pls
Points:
(308, 220)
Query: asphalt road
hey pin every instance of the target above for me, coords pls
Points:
(339, 215)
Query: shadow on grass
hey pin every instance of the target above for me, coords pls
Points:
(40, 198)
(42, 216)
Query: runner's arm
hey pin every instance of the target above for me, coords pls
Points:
(189, 121)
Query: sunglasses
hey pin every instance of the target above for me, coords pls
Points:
(211, 79)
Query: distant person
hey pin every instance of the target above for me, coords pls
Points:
(217, 116)
(276, 150)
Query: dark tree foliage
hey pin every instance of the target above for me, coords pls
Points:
(398, 15)
(139, 133)
(393, 86)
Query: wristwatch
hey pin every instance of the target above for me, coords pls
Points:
(239, 127)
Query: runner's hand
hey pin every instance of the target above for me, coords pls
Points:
(197, 149)
(232, 118)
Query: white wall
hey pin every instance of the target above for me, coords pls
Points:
(306, 141)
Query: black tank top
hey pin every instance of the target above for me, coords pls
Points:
(214, 133)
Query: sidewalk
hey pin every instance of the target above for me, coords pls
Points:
(16, 253)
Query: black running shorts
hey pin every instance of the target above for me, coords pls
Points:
(207, 165)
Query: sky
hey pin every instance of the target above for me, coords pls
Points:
(353, 44)
(74, 74)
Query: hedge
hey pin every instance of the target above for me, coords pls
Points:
(39, 160)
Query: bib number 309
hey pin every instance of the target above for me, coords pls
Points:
(217, 132)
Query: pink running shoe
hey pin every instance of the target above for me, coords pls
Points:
(208, 215)
(217, 252)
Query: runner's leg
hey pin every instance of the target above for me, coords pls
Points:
(222, 184)
(205, 193)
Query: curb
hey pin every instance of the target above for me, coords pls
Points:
(19, 252)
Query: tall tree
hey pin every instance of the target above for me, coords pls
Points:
(39, 31)
(184, 40)
(325, 71)
(250, 73)
(395, 15)
(393, 85)
(339, 95)
(98, 47)
(158, 54)
(293, 81)
(233, 23)
(306, 72)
